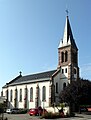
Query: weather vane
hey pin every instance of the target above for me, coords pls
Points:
(67, 12)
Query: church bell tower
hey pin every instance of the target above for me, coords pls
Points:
(68, 54)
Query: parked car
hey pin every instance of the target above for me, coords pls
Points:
(13, 111)
(36, 111)
(9, 111)
(83, 109)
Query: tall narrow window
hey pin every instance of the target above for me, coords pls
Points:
(54, 95)
(64, 85)
(65, 70)
(11, 95)
(56, 87)
(20, 95)
(62, 57)
(7, 94)
(66, 56)
(62, 71)
(43, 93)
(31, 94)
(1, 93)
(74, 71)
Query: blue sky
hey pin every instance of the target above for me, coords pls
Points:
(30, 32)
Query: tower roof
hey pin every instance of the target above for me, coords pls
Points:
(68, 36)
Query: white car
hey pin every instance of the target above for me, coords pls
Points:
(9, 111)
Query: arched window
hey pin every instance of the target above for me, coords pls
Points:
(11, 95)
(31, 94)
(43, 93)
(20, 95)
(74, 71)
(66, 56)
(56, 87)
(64, 85)
(7, 94)
(62, 57)
(62, 71)
(65, 70)
(54, 93)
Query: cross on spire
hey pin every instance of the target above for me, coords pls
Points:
(20, 72)
(67, 12)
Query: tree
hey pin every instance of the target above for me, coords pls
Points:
(77, 93)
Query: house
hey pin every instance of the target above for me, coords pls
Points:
(43, 89)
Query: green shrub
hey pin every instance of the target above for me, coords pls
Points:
(70, 115)
(23, 111)
(4, 118)
(52, 115)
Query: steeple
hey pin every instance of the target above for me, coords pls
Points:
(68, 54)
(68, 36)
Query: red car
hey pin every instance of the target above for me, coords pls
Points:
(36, 111)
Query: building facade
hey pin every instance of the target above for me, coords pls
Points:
(43, 89)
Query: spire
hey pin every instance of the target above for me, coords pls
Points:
(68, 36)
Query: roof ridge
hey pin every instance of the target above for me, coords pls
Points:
(39, 73)
(32, 77)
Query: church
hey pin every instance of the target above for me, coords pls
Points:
(43, 89)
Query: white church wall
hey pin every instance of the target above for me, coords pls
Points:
(11, 103)
(60, 79)
(41, 103)
(57, 81)
(46, 102)
(31, 104)
(65, 73)
(64, 77)
(20, 103)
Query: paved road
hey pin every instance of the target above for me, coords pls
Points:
(20, 117)
(27, 117)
